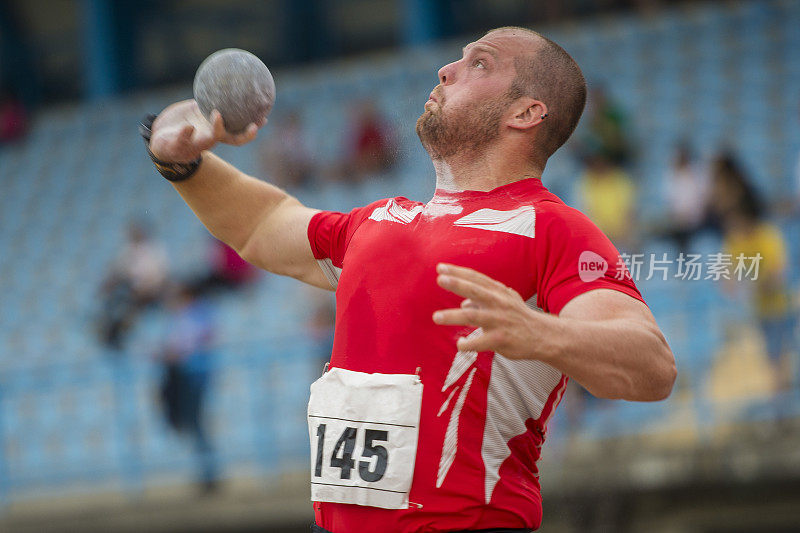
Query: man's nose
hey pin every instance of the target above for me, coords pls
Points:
(447, 74)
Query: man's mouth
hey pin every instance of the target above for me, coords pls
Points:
(437, 95)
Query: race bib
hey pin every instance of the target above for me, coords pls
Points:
(363, 430)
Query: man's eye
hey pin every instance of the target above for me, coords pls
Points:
(478, 63)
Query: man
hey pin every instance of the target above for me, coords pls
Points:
(187, 358)
(429, 295)
(136, 281)
(749, 234)
(607, 195)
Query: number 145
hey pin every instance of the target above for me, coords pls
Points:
(342, 455)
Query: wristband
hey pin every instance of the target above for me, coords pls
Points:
(171, 171)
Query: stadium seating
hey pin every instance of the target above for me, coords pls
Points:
(74, 415)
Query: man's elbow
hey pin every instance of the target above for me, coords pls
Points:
(662, 377)
(664, 382)
(653, 385)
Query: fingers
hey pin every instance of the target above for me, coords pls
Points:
(236, 139)
(474, 285)
(245, 137)
(479, 343)
(469, 274)
(198, 140)
(471, 316)
(204, 140)
(467, 289)
(217, 125)
(185, 135)
(488, 304)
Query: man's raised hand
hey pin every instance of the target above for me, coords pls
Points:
(181, 133)
(509, 326)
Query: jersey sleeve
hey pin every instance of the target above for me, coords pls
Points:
(575, 257)
(329, 233)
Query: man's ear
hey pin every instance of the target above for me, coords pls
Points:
(528, 113)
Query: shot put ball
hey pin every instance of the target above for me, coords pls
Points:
(238, 85)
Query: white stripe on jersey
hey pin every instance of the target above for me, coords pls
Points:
(520, 221)
(331, 272)
(518, 390)
(461, 363)
(451, 436)
(394, 212)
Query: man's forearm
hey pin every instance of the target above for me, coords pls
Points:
(228, 202)
(606, 340)
(616, 359)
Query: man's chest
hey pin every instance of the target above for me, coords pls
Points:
(400, 258)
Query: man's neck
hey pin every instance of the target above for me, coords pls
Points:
(482, 172)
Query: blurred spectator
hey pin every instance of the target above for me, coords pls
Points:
(606, 124)
(607, 195)
(748, 234)
(372, 149)
(187, 358)
(136, 280)
(13, 117)
(286, 158)
(686, 187)
(227, 270)
(730, 191)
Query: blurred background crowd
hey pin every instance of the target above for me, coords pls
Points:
(149, 376)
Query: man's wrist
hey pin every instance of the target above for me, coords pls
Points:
(171, 171)
(551, 337)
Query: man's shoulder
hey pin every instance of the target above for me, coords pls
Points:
(397, 209)
(551, 207)
(559, 220)
(383, 202)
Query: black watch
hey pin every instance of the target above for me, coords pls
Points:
(171, 171)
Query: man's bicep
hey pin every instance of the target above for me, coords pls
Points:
(607, 304)
(280, 244)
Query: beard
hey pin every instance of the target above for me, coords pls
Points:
(462, 130)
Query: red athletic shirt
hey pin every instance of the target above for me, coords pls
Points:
(484, 417)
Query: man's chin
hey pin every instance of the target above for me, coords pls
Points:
(423, 120)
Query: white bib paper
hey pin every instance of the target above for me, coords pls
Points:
(363, 430)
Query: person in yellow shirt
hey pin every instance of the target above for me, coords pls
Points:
(607, 195)
(750, 236)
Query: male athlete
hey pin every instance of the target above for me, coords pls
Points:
(458, 321)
